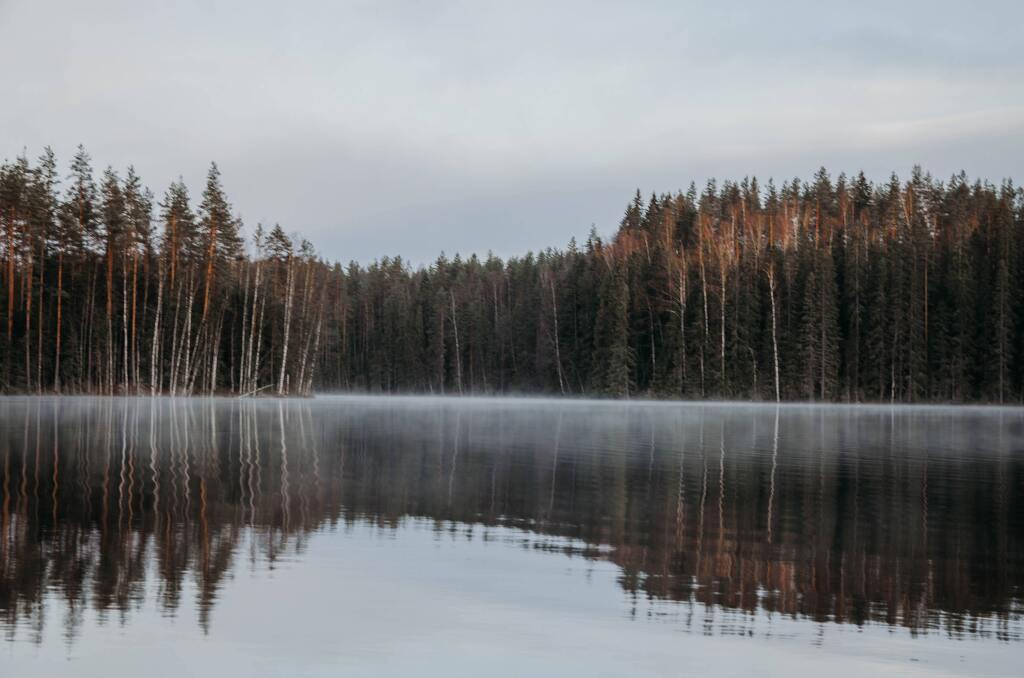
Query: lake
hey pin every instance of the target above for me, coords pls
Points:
(508, 537)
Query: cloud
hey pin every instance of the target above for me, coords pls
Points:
(383, 127)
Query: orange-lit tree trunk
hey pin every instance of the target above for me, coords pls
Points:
(28, 320)
(775, 337)
(110, 317)
(701, 230)
(10, 279)
(60, 298)
(133, 375)
(39, 325)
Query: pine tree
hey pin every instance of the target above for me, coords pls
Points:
(219, 233)
(613, 354)
(901, 292)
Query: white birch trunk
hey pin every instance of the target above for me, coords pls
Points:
(290, 282)
(154, 354)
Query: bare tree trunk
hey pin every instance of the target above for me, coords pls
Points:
(60, 294)
(124, 322)
(210, 254)
(259, 345)
(651, 335)
(289, 284)
(174, 250)
(458, 351)
(197, 359)
(498, 338)
(250, 376)
(682, 315)
(173, 377)
(775, 338)
(554, 315)
(302, 361)
(216, 353)
(10, 280)
(94, 373)
(316, 347)
(28, 321)
(822, 339)
(154, 356)
(245, 322)
(722, 278)
(93, 377)
(892, 363)
(704, 294)
(304, 324)
(141, 337)
(855, 362)
(1001, 348)
(134, 351)
(39, 325)
(110, 319)
(186, 338)
(200, 355)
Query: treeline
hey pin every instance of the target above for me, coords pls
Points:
(828, 290)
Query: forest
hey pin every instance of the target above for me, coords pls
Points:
(823, 290)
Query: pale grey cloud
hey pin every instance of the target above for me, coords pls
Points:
(412, 127)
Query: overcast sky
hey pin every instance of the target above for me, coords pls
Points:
(377, 127)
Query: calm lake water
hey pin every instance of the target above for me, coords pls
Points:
(467, 537)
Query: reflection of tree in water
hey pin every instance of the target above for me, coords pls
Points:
(901, 517)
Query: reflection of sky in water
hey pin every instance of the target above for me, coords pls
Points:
(372, 601)
(507, 537)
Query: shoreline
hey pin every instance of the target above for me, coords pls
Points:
(528, 398)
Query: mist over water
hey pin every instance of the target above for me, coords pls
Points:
(389, 535)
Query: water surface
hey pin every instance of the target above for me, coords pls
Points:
(410, 536)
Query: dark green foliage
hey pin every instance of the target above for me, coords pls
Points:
(848, 291)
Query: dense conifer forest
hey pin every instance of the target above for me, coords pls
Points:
(828, 290)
